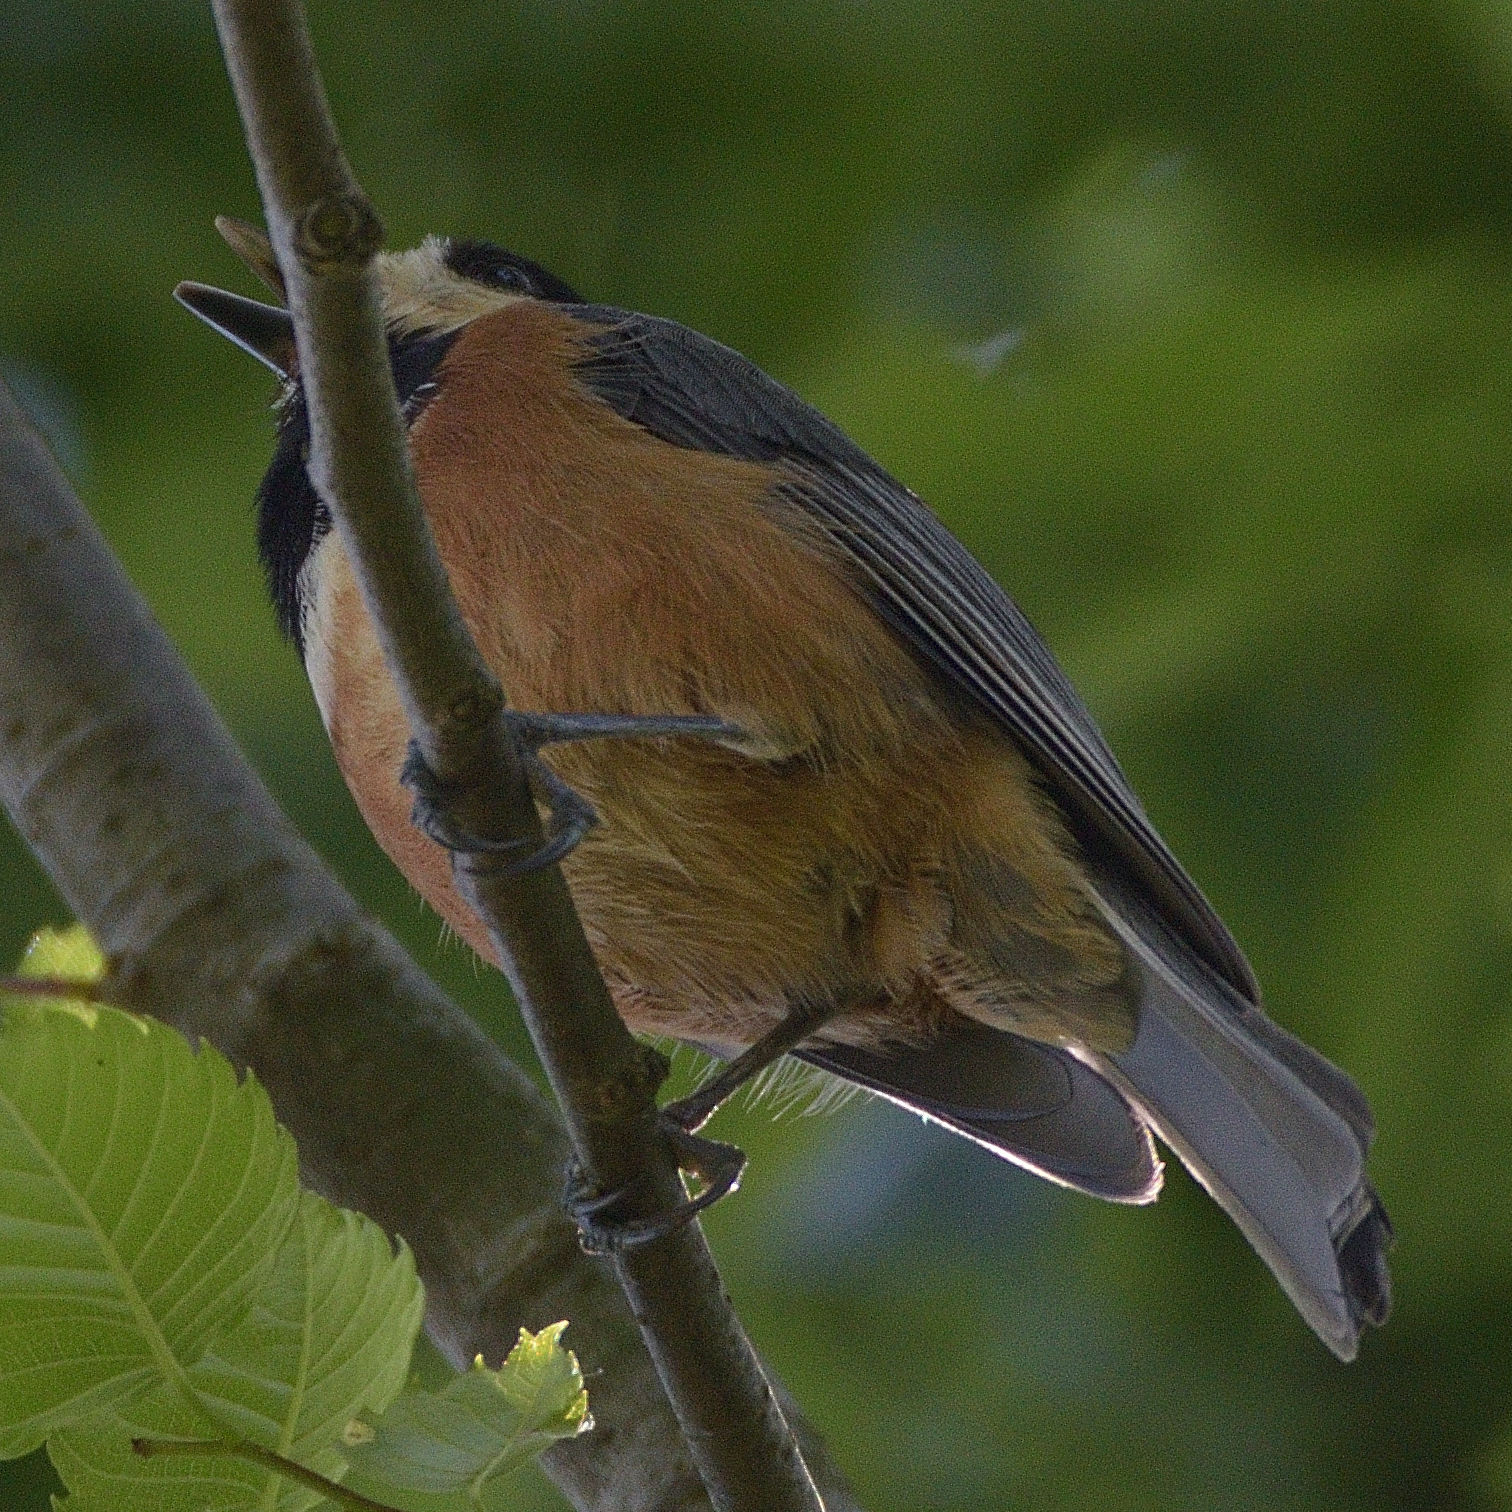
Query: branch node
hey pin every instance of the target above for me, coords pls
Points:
(636, 1082)
(473, 707)
(338, 231)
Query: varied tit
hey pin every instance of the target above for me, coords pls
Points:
(888, 839)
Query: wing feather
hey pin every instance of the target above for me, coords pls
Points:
(1277, 1135)
(691, 391)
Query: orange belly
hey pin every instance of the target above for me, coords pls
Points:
(836, 856)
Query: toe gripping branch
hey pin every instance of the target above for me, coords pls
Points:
(601, 1231)
(717, 1166)
(605, 1221)
(571, 816)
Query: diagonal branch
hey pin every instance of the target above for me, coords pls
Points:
(217, 917)
(324, 234)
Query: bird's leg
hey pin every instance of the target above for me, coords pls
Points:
(570, 815)
(536, 730)
(718, 1166)
(689, 1114)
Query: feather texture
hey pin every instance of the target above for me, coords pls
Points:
(920, 826)
(1277, 1134)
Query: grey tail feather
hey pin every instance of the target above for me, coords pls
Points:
(1274, 1132)
(1033, 1104)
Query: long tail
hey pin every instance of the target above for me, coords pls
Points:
(1274, 1132)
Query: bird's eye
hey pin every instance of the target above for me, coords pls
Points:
(512, 278)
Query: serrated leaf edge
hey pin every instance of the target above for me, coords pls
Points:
(528, 1429)
(162, 1355)
(170, 1369)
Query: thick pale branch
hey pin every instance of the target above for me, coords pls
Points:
(216, 917)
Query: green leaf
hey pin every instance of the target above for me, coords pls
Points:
(328, 1336)
(543, 1383)
(479, 1426)
(70, 954)
(144, 1192)
(95, 1461)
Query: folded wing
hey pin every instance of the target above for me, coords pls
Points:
(1277, 1134)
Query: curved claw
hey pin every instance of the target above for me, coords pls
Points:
(718, 1167)
(572, 816)
(430, 811)
(570, 822)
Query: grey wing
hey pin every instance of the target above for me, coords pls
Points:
(1029, 1103)
(693, 392)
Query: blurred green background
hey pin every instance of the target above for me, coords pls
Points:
(1194, 318)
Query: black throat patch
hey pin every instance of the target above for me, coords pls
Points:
(291, 517)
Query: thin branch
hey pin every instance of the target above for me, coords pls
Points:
(324, 233)
(265, 1459)
(217, 918)
(51, 987)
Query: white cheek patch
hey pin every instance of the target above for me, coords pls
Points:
(317, 592)
(421, 295)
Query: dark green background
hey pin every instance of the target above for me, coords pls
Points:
(1241, 449)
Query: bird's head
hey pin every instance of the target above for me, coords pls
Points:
(429, 290)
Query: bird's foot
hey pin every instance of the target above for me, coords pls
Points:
(569, 815)
(717, 1166)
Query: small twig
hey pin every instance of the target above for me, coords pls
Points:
(324, 233)
(266, 1459)
(51, 987)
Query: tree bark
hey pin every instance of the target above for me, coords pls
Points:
(216, 917)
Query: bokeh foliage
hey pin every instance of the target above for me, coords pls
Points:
(1193, 318)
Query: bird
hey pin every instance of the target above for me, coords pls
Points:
(816, 784)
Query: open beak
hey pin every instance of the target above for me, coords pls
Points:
(254, 249)
(265, 331)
